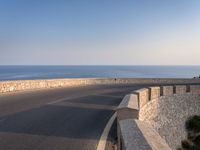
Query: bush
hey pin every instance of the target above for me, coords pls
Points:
(194, 147)
(193, 124)
(197, 140)
(193, 128)
(188, 145)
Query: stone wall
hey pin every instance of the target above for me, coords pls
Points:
(10, 86)
(168, 116)
(163, 112)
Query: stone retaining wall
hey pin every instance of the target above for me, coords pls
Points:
(10, 86)
(163, 112)
(168, 115)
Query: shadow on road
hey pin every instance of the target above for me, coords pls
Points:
(71, 122)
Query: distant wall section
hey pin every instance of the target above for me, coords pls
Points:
(20, 85)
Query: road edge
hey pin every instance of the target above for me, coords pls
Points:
(102, 142)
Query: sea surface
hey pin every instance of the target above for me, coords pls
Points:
(50, 72)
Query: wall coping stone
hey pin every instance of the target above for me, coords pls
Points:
(154, 92)
(195, 89)
(166, 90)
(138, 135)
(128, 108)
(143, 96)
(129, 101)
(180, 89)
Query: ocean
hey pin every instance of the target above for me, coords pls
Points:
(51, 72)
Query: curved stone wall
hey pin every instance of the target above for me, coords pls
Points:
(168, 115)
(10, 86)
(163, 109)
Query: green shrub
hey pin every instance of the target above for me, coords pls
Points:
(194, 147)
(196, 140)
(193, 136)
(188, 145)
(193, 124)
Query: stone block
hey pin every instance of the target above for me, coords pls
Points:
(128, 108)
(154, 92)
(195, 89)
(143, 96)
(180, 89)
(167, 90)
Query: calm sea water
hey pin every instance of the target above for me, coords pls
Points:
(49, 72)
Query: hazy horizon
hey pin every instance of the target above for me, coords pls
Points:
(130, 33)
(88, 65)
(53, 72)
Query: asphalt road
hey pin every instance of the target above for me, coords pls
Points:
(58, 119)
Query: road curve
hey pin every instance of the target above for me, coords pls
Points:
(58, 119)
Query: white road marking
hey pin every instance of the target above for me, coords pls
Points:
(102, 142)
(60, 100)
(86, 105)
(112, 96)
(63, 99)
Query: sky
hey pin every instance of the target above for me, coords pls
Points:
(99, 32)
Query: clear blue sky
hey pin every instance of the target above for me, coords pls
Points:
(100, 32)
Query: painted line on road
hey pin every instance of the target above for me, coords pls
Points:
(63, 99)
(112, 96)
(102, 142)
(59, 100)
(87, 105)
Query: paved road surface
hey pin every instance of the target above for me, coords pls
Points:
(57, 119)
